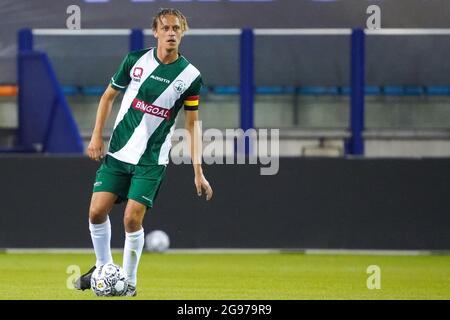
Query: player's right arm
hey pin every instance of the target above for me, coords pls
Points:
(119, 81)
(96, 147)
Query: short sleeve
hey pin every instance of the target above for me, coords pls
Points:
(192, 97)
(121, 78)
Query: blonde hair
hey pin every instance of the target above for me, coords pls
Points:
(173, 12)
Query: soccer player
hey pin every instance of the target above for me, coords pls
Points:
(158, 82)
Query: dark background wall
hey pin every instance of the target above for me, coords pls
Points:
(311, 203)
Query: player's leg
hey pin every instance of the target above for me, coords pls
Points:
(100, 230)
(144, 188)
(111, 185)
(100, 226)
(134, 241)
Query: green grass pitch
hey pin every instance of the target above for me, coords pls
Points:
(271, 276)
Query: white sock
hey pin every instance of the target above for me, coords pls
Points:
(134, 243)
(101, 239)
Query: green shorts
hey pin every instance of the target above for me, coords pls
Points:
(127, 181)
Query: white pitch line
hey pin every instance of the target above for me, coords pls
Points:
(53, 250)
(118, 250)
(224, 251)
(367, 252)
(240, 251)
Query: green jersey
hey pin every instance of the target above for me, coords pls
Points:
(155, 93)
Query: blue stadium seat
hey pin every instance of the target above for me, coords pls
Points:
(93, 91)
(310, 90)
(226, 90)
(70, 90)
(304, 90)
(437, 90)
(270, 90)
(393, 90)
(372, 90)
(204, 90)
(369, 90)
(345, 90)
(289, 90)
(403, 90)
(413, 90)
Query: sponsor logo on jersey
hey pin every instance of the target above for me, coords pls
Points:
(151, 109)
(159, 79)
(137, 74)
(179, 86)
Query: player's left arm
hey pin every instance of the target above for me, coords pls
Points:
(193, 127)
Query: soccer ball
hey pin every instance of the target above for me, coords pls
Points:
(109, 280)
(157, 241)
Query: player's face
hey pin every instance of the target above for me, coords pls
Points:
(169, 32)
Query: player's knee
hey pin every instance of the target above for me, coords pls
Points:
(97, 214)
(132, 221)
